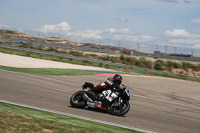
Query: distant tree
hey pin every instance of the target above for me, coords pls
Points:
(158, 65)
(185, 65)
(122, 57)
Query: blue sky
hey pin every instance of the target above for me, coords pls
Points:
(174, 23)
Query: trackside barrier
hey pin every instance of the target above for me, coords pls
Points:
(86, 48)
(63, 46)
(165, 56)
(92, 60)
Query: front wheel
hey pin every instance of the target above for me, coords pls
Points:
(121, 109)
(77, 100)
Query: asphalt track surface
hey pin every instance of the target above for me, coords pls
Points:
(157, 104)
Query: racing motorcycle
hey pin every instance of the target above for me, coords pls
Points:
(114, 101)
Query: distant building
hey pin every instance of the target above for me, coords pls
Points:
(157, 52)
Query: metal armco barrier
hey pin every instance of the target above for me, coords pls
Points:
(86, 48)
(63, 46)
(165, 56)
(91, 60)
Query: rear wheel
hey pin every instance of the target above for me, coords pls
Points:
(121, 109)
(77, 99)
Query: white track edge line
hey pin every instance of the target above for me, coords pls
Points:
(76, 116)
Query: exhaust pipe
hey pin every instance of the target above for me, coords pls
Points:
(85, 96)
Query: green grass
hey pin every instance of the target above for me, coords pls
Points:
(49, 71)
(87, 63)
(20, 119)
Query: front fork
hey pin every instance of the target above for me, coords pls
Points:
(118, 101)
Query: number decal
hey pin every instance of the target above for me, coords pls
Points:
(107, 92)
(109, 95)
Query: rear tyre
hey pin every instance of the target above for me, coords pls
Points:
(120, 110)
(77, 100)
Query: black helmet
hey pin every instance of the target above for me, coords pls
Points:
(117, 79)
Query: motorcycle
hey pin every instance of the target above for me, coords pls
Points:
(114, 101)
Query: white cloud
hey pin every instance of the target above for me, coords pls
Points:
(87, 34)
(195, 21)
(176, 33)
(57, 28)
(182, 38)
(64, 30)
(121, 19)
(180, 33)
(185, 41)
(111, 30)
(196, 46)
(4, 26)
(132, 37)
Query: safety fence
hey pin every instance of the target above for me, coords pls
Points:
(107, 51)
(63, 46)
(91, 60)
(167, 56)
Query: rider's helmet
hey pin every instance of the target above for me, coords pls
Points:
(117, 79)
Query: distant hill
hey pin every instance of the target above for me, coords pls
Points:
(9, 34)
(12, 34)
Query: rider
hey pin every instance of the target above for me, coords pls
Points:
(113, 82)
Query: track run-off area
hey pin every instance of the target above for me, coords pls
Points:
(157, 104)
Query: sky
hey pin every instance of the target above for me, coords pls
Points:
(164, 25)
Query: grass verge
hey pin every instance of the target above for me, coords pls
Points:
(20, 119)
(49, 71)
(79, 62)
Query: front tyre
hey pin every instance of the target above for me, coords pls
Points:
(121, 109)
(77, 100)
